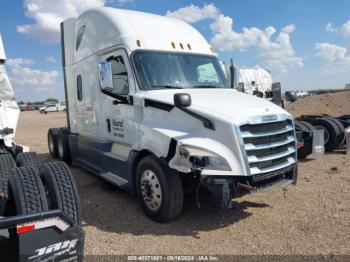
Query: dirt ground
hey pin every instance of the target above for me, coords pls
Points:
(333, 104)
(310, 218)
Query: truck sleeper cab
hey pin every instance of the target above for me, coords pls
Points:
(149, 110)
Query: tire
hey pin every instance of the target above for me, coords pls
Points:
(330, 129)
(341, 130)
(27, 191)
(63, 146)
(62, 191)
(7, 163)
(52, 137)
(345, 117)
(345, 123)
(164, 185)
(28, 159)
(307, 125)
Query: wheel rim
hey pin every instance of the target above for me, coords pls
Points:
(51, 146)
(150, 190)
(60, 147)
(326, 133)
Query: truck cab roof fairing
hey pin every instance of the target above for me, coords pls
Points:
(107, 27)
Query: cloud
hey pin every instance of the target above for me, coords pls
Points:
(274, 52)
(193, 13)
(344, 30)
(50, 59)
(336, 57)
(23, 75)
(48, 14)
(17, 62)
(121, 2)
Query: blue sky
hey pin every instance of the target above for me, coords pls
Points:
(305, 44)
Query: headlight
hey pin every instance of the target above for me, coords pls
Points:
(202, 158)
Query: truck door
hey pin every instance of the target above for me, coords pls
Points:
(119, 126)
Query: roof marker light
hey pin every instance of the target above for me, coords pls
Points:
(173, 44)
(182, 47)
(138, 43)
(212, 50)
(189, 46)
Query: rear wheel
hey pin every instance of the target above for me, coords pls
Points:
(27, 191)
(61, 189)
(159, 190)
(28, 159)
(63, 146)
(340, 133)
(52, 138)
(6, 165)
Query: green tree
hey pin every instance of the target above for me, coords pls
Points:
(52, 100)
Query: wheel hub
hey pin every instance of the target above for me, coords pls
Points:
(150, 190)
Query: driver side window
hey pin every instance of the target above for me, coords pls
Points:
(119, 76)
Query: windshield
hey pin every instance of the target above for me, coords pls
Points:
(160, 70)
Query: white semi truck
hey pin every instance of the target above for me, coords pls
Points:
(150, 110)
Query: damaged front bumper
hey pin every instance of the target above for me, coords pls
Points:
(226, 188)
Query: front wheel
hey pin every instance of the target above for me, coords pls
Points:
(159, 190)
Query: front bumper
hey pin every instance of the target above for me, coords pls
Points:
(226, 188)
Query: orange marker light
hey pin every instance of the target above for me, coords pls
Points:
(212, 50)
(138, 43)
(173, 44)
(189, 46)
(182, 47)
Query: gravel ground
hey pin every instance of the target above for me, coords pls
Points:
(310, 218)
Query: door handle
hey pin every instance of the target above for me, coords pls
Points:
(108, 125)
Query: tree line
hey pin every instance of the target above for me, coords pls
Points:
(49, 100)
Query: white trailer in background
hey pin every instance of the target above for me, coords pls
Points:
(9, 110)
(149, 110)
(256, 81)
(39, 202)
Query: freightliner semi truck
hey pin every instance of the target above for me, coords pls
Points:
(150, 110)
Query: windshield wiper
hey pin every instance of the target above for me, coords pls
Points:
(167, 86)
(206, 86)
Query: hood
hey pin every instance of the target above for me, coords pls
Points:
(227, 103)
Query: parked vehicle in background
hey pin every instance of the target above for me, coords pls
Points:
(26, 107)
(62, 106)
(49, 108)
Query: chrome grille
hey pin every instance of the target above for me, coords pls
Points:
(269, 146)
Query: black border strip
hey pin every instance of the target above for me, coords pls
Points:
(158, 105)
(63, 53)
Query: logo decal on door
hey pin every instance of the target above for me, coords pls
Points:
(118, 128)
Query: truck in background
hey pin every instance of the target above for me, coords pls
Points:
(149, 109)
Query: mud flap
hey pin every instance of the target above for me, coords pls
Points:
(51, 245)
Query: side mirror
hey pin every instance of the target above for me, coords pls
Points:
(105, 76)
(182, 100)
